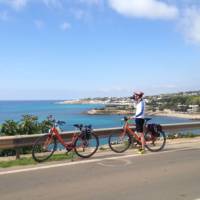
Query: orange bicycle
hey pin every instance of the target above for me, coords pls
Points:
(155, 138)
(84, 142)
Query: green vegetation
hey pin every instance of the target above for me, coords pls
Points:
(28, 125)
(18, 162)
(177, 102)
(30, 161)
(103, 148)
(9, 128)
(181, 102)
(181, 135)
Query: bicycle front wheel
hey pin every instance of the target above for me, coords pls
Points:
(86, 145)
(119, 142)
(44, 148)
(154, 142)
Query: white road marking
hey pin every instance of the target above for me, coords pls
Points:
(84, 162)
(64, 164)
(125, 163)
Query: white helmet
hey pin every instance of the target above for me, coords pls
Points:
(139, 93)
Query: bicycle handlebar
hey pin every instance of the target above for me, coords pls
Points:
(60, 122)
(53, 120)
(127, 118)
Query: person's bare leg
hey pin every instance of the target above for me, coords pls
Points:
(142, 140)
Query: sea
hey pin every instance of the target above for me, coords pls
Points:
(70, 113)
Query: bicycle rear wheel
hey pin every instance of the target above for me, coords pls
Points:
(119, 142)
(86, 145)
(43, 148)
(154, 142)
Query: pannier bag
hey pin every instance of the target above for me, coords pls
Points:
(155, 129)
(86, 132)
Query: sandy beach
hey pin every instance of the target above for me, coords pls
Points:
(168, 113)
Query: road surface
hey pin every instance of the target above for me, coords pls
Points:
(173, 174)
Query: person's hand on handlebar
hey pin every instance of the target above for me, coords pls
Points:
(126, 118)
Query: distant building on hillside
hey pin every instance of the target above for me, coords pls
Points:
(193, 108)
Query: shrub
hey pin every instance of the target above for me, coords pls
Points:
(10, 127)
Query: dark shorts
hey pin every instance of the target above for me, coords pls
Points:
(139, 124)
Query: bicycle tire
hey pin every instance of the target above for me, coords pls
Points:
(155, 143)
(119, 144)
(85, 147)
(41, 151)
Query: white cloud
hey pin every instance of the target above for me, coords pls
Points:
(186, 13)
(189, 24)
(16, 4)
(151, 9)
(65, 26)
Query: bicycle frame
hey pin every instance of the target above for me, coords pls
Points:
(119, 142)
(79, 142)
(68, 145)
(127, 128)
(133, 133)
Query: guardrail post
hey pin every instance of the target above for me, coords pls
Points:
(17, 150)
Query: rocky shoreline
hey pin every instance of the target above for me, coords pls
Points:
(108, 112)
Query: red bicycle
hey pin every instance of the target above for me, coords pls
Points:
(120, 141)
(84, 142)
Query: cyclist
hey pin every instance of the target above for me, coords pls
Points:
(139, 117)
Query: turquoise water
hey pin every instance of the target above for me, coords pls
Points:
(71, 114)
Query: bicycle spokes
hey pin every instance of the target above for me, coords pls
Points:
(119, 142)
(82, 145)
(44, 148)
(155, 143)
(86, 146)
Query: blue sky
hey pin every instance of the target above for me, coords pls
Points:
(63, 49)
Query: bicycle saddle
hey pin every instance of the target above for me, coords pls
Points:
(147, 119)
(88, 126)
(79, 126)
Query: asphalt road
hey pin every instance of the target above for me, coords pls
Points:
(169, 175)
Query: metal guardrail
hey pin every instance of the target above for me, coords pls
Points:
(7, 142)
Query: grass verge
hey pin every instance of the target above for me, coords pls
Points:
(30, 161)
(181, 135)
